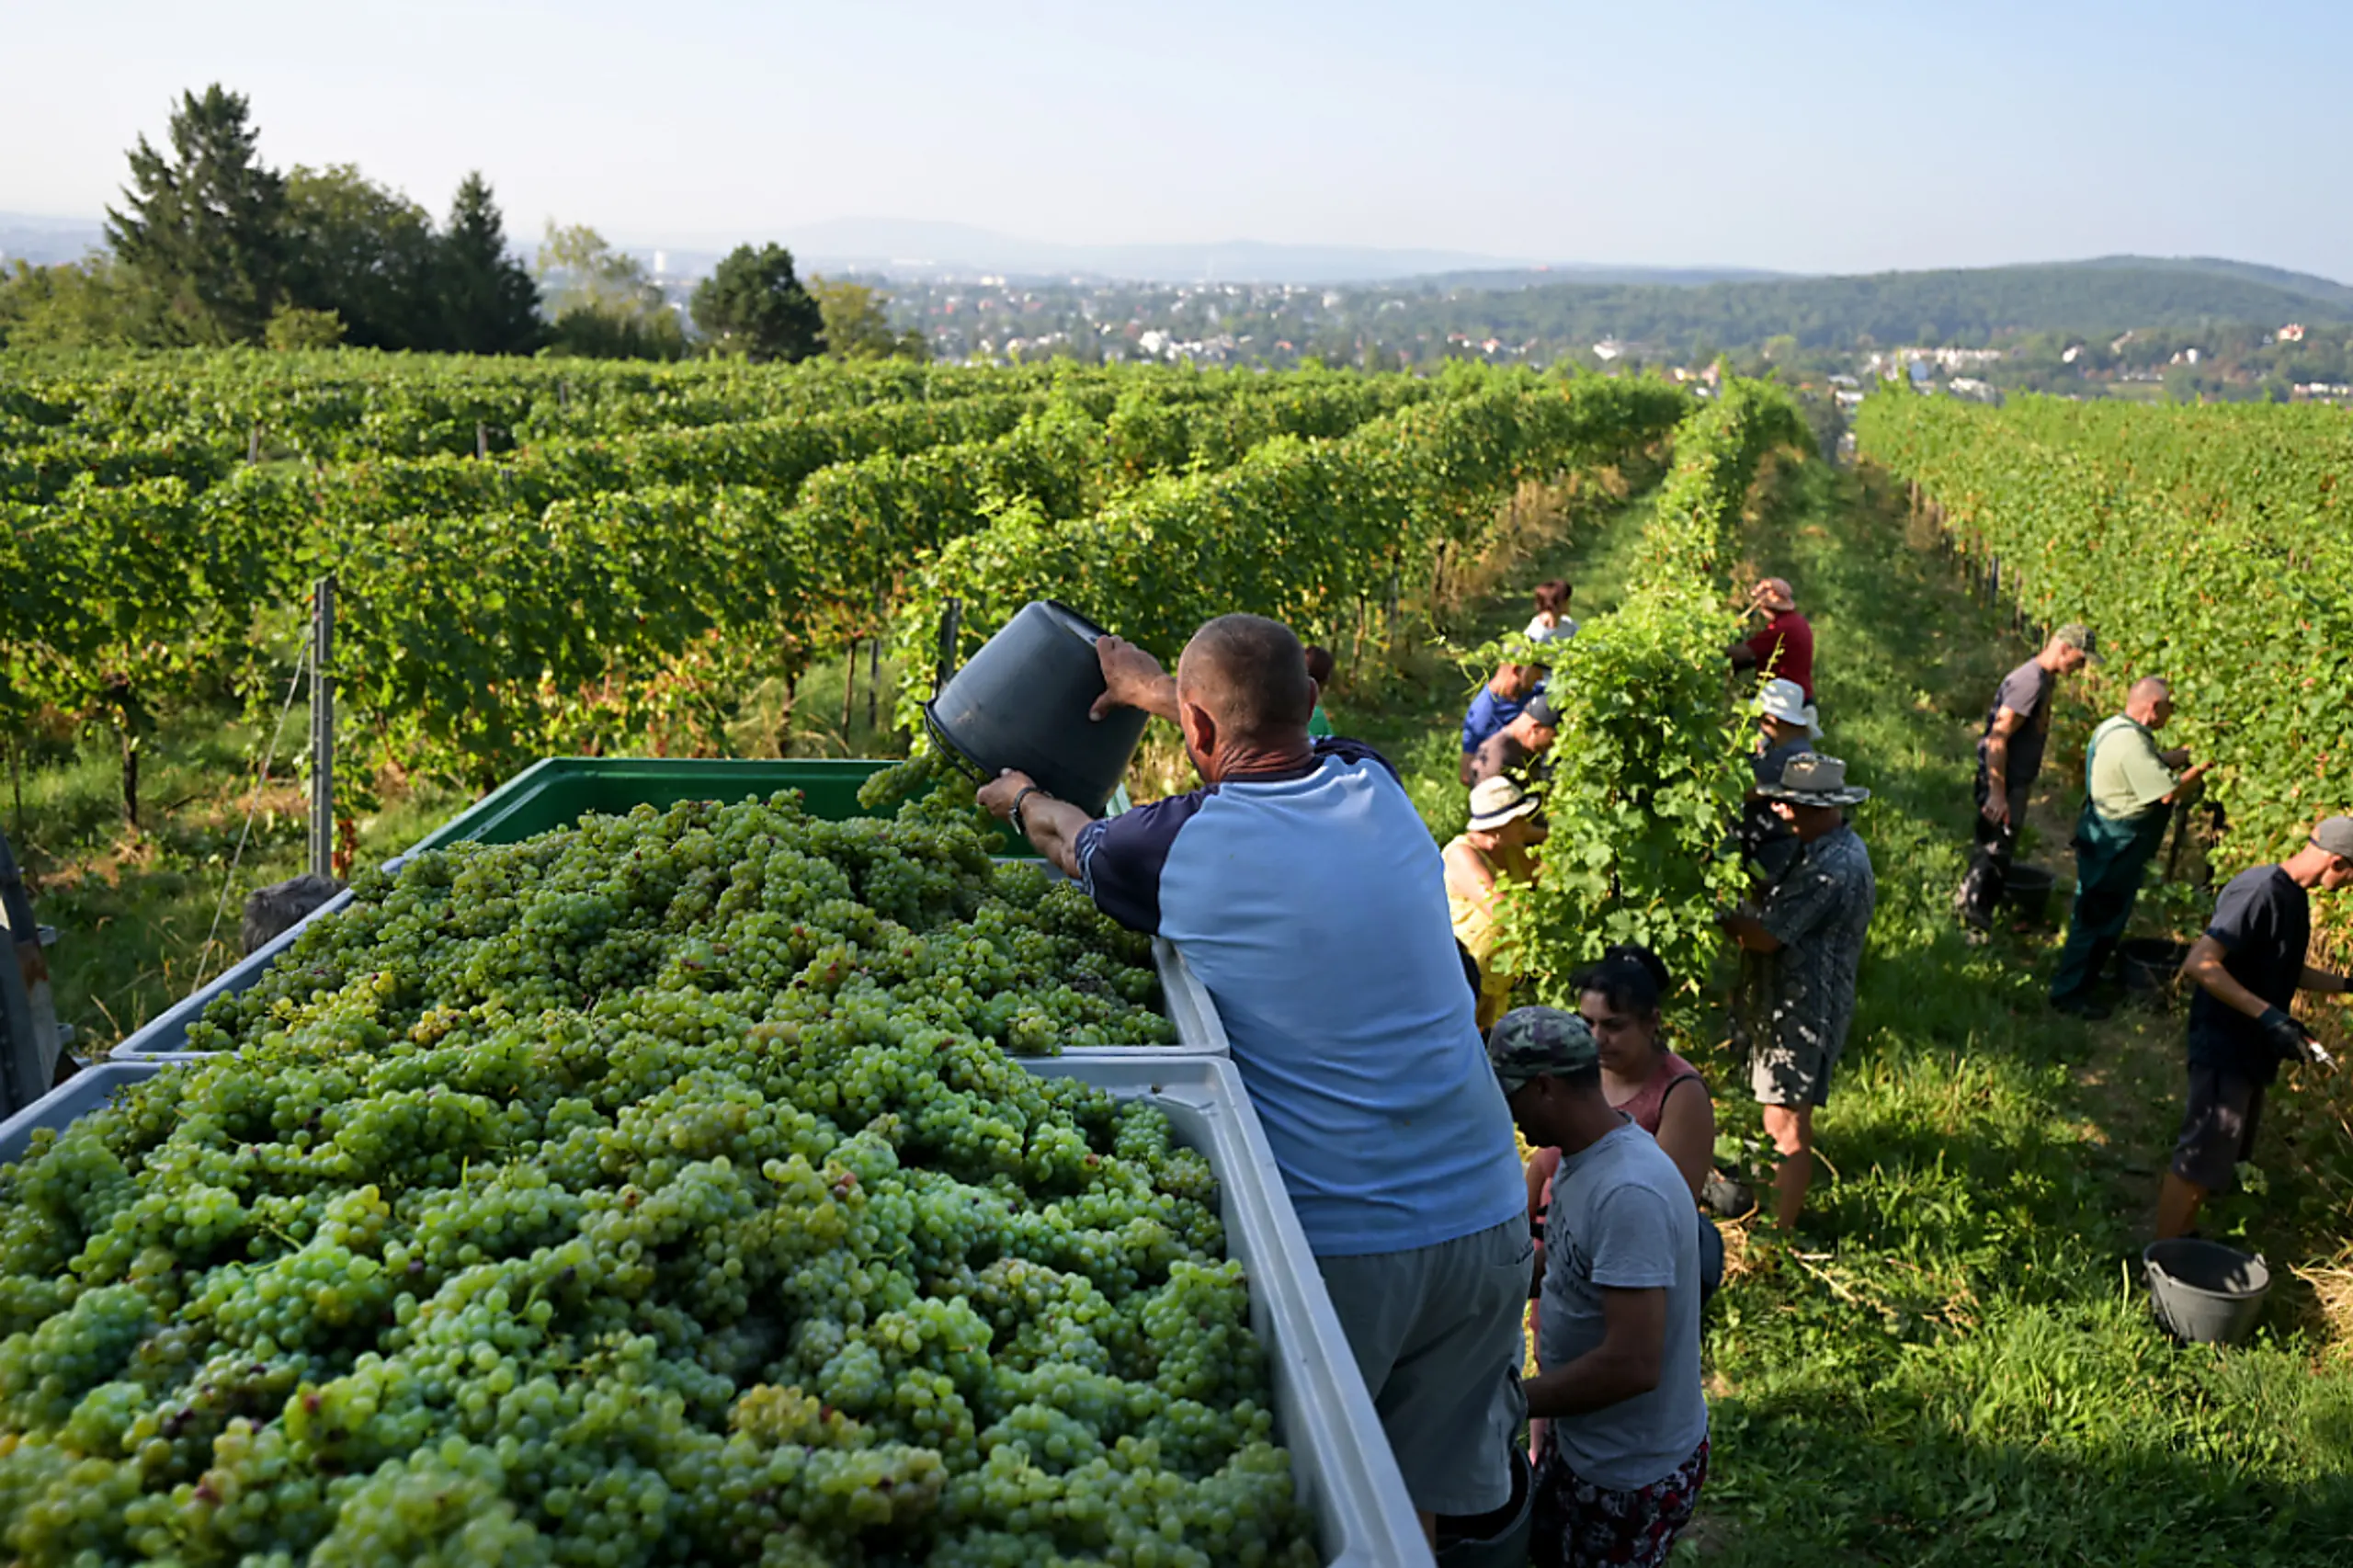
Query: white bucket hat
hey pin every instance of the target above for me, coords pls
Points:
(1785, 700)
(1494, 801)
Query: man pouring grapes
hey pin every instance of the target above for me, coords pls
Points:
(1310, 901)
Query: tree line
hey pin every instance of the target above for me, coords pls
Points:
(211, 247)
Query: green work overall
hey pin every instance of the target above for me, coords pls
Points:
(2109, 857)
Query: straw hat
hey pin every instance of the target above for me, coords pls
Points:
(1810, 778)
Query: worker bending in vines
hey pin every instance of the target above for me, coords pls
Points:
(2249, 966)
(1807, 934)
(2009, 755)
(2129, 791)
(1303, 890)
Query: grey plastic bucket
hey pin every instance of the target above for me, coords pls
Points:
(1498, 1540)
(2204, 1293)
(1022, 703)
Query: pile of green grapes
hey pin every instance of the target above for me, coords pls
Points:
(656, 1192)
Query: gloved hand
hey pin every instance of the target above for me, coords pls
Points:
(2286, 1035)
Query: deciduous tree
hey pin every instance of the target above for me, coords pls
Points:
(753, 305)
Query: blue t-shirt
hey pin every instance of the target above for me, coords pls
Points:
(1488, 714)
(1312, 907)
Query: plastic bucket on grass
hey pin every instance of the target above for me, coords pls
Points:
(1022, 703)
(2204, 1293)
(2027, 888)
(2148, 965)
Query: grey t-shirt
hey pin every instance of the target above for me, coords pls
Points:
(2026, 691)
(1622, 1216)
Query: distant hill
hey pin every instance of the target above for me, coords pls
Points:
(43, 241)
(1964, 305)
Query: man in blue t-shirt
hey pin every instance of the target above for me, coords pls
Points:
(2248, 965)
(1497, 704)
(1618, 1352)
(1305, 892)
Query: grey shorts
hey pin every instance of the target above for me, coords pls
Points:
(2218, 1130)
(1435, 1331)
(1784, 1072)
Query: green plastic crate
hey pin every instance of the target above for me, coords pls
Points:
(559, 791)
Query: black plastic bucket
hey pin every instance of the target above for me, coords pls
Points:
(2027, 888)
(1499, 1539)
(1022, 703)
(2148, 965)
(2204, 1293)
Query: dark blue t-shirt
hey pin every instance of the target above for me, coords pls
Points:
(2264, 923)
(1488, 714)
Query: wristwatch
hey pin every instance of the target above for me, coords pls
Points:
(1026, 790)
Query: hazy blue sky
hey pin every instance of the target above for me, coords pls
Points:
(1802, 134)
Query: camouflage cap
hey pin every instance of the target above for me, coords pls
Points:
(1530, 1042)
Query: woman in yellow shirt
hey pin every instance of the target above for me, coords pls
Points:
(1499, 844)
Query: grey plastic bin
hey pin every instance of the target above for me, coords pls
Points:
(166, 1034)
(86, 1091)
(1346, 1477)
(1341, 1464)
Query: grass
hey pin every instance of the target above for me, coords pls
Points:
(1952, 1360)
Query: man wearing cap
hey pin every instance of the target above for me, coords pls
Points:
(2249, 966)
(1499, 846)
(2009, 754)
(1618, 1337)
(1808, 928)
(2129, 791)
(1497, 704)
(1783, 647)
(1302, 888)
(1785, 725)
(1519, 747)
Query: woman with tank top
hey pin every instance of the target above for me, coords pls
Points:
(1660, 1093)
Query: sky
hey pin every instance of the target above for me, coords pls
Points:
(1805, 135)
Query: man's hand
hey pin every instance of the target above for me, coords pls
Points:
(2286, 1035)
(1132, 678)
(2190, 776)
(996, 796)
(1996, 809)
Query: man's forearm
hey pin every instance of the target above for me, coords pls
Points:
(1053, 827)
(2224, 988)
(1595, 1380)
(1159, 698)
(2320, 979)
(1998, 765)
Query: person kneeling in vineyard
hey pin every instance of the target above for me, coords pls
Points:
(1807, 934)
(1303, 890)
(1618, 1342)
(2249, 965)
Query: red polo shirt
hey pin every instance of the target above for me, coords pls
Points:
(1784, 650)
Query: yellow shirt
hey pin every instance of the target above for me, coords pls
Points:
(1473, 914)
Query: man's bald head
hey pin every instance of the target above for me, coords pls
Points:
(1249, 674)
(2149, 702)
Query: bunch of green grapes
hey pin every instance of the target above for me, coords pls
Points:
(659, 1190)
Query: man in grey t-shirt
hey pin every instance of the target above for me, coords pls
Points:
(1618, 1352)
(2009, 755)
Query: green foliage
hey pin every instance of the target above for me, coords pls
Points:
(293, 330)
(489, 304)
(1646, 776)
(753, 305)
(204, 226)
(858, 323)
(364, 254)
(603, 304)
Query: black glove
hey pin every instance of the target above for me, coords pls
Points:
(2286, 1035)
